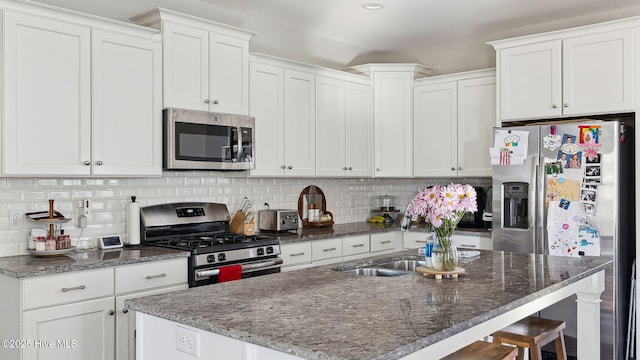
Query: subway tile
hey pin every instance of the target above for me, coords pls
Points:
(77, 183)
(94, 182)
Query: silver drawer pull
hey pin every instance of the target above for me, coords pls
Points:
(156, 276)
(358, 245)
(297, 254)
(421, 241)
(330, 249)
(467, 245)
(385, 242)
(81, 287)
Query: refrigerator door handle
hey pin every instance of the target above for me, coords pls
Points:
(540, 206)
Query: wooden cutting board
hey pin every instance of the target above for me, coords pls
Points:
(427, 271)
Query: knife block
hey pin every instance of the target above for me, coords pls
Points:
(240, 226)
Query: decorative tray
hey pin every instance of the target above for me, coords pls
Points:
(51, 252)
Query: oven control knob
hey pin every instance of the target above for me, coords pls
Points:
(211, 259)
(269, 250)
(260, 251)
(222, 257)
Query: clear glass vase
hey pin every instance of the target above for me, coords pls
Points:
(444, 254)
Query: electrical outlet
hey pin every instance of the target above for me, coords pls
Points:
(188, 341)
(16, 218)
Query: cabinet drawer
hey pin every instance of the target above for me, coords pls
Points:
(298, 253)
(383, 242)
(354, 245)
(466, 241)
(326, 249)
(414, 240)
(69, 287)
(142, 276)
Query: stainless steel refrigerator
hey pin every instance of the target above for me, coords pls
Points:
(583, 163)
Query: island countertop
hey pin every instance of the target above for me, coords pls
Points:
(321, 313)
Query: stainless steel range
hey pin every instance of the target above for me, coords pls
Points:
(203, 230)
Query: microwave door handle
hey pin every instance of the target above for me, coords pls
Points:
(245, 267)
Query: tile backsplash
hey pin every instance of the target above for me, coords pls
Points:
(348, 199)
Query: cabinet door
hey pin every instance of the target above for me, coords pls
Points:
(47, 113)
(267, 107)
(127, 106)
(77, 331)
(229, 68)
(392, 114)
(299, 123)
(598, 73)
(126, 323)
(359, 130)
(330, 127)
(476, 116)
(186, 67)
(530, 81)
(435, 130)
(295, 255)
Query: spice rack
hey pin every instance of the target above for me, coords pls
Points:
(56, 243)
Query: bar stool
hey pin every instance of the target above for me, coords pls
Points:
(533, 333)
(482, 350)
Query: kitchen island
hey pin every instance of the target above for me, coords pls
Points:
(322, 313)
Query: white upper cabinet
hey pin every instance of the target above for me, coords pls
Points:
(206, 64)
(127, 117)
(83, 97)
(283, 103)
(299, 123)
(453, 121)
(572, 72)
(344, 128)
(392, 116)
(47, 96)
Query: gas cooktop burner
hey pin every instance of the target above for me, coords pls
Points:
(216, 242)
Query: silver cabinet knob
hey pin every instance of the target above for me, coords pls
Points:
(206, 101)
(99, 162)
(111, 312)
(350, 168)
(215, 102)
(377, 169)
(555, 106)
(125, 310)
(459, 167)
(283, 167)
(344, 168)
(566, 105)
(87, 163)
(453, 168)
(289, 167)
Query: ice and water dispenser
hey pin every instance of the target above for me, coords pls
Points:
(516, 205)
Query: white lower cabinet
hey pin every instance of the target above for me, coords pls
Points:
(80, 314)
(415, 239)
(295, 256)
(312, 253)
(327, 251)
(472, 242)
(385, 242)
(355, 247)
(78, 331)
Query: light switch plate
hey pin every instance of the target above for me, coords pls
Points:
(16, 219)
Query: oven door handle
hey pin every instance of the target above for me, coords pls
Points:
(245, 267)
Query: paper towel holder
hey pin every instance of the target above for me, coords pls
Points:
(133, 223)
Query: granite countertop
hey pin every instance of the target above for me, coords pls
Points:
(323, 314)
(356, 228)
(28, 265)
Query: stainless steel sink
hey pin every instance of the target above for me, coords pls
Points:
(375, 271)
(405, 265)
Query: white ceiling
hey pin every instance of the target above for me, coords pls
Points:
(446, 35)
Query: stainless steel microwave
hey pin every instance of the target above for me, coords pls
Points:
(200, 140)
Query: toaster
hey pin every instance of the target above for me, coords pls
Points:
(278, 220)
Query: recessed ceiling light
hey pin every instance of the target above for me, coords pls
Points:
(373, 5)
